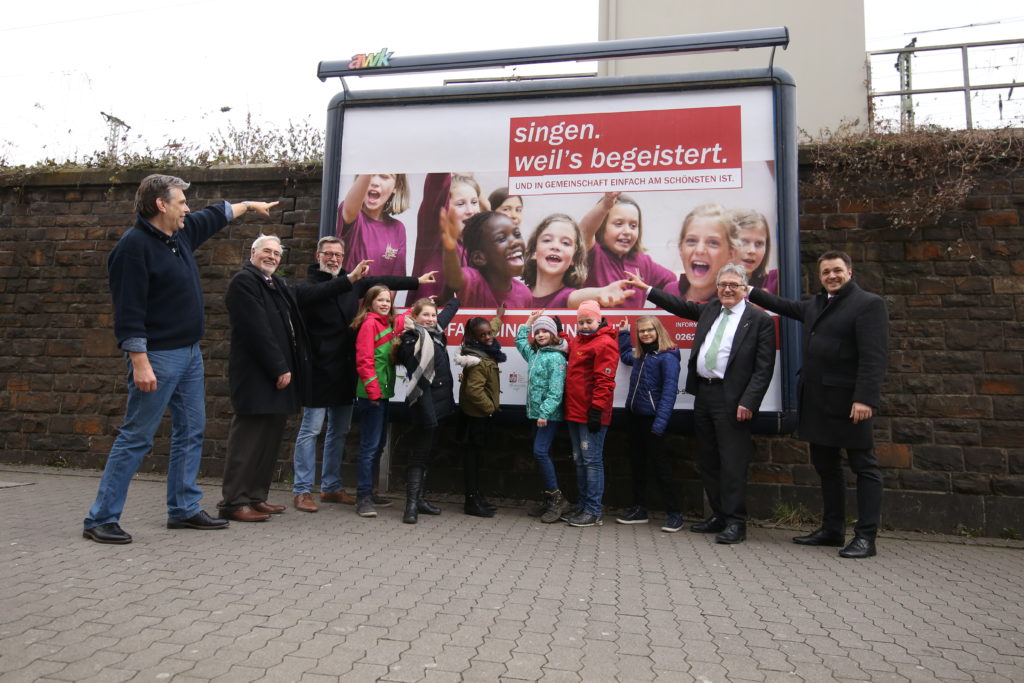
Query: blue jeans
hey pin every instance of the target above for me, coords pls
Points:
(179, 386)
(588, 453)
(373, 434)
(339, 419)
(542, 438)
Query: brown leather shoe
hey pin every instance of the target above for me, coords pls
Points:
(268, 508)
(304, 502)
(244, 514)
(341, 496)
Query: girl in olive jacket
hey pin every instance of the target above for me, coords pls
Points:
(478, 400)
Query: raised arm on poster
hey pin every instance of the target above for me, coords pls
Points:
(448, 202)
(613, 232)
(367, 224)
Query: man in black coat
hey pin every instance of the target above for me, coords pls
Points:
(730, 367)
(845, 344)
(328, 312)
(269, 372)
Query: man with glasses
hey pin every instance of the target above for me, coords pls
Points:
(730, 367)
(328, 315)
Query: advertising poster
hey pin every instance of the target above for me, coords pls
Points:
(585, 189)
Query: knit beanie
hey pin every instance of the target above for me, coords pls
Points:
(590, 309)
(544, 322)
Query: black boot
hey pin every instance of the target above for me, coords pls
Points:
(413, 490)
(543, 506)
(422, 505)
(557, 505)
(488, 505)
(474, 506)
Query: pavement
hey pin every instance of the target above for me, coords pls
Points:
(334, 597)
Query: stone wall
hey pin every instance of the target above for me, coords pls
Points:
(950, 430)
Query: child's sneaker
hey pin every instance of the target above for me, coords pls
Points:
(673, 524)
(635, 515)
(364, 507)
(380, 501)
(570, 512)
(585, 519)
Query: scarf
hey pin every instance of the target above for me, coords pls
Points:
(424, 354)
(493, 350)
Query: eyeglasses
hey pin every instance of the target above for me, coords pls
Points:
(730, 285)
(333, 255)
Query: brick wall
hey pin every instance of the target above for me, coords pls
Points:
(950, 430)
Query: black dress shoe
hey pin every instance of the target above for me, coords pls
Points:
(108, 533)
(859, 548)
(711, 525)
(735, 532)
(200, 520)
(835, 539)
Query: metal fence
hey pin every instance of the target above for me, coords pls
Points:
(964, 85)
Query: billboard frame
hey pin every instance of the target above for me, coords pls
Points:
(781, 83)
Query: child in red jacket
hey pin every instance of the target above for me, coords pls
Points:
(589, 389)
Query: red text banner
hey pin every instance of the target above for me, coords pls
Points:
(635, 151)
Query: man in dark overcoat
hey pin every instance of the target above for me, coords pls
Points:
(845, 346)
(328, 314)
(269, 373)
(729, 370)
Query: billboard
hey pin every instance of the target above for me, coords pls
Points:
(591, 182)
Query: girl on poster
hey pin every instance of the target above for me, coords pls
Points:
(708, 240)
(367, 223)
(755, 249)
(494, 253)
(449, 200)
(613, 232)
(510, 205)
(556, 268)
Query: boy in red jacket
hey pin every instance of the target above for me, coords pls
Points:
(589, 389)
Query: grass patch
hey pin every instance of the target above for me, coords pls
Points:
(790, 514)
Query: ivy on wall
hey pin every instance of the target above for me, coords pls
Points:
(911, 177)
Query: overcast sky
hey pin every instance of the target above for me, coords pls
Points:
(168, 70)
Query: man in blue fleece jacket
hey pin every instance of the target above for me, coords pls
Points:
(158, 321)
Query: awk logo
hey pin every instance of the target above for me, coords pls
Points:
(371, 61)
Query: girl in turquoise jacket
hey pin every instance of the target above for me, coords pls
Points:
(546, 356)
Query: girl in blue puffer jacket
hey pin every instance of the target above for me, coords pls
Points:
(653, 386)
(546, 356)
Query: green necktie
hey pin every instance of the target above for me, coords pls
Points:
(711, 357)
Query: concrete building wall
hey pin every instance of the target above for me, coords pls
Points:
(825, 54)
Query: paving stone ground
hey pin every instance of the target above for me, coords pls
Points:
(334, 597)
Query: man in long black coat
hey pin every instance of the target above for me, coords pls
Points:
(845, 345)
(729, 370)
(269, 373)
(328, 313)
